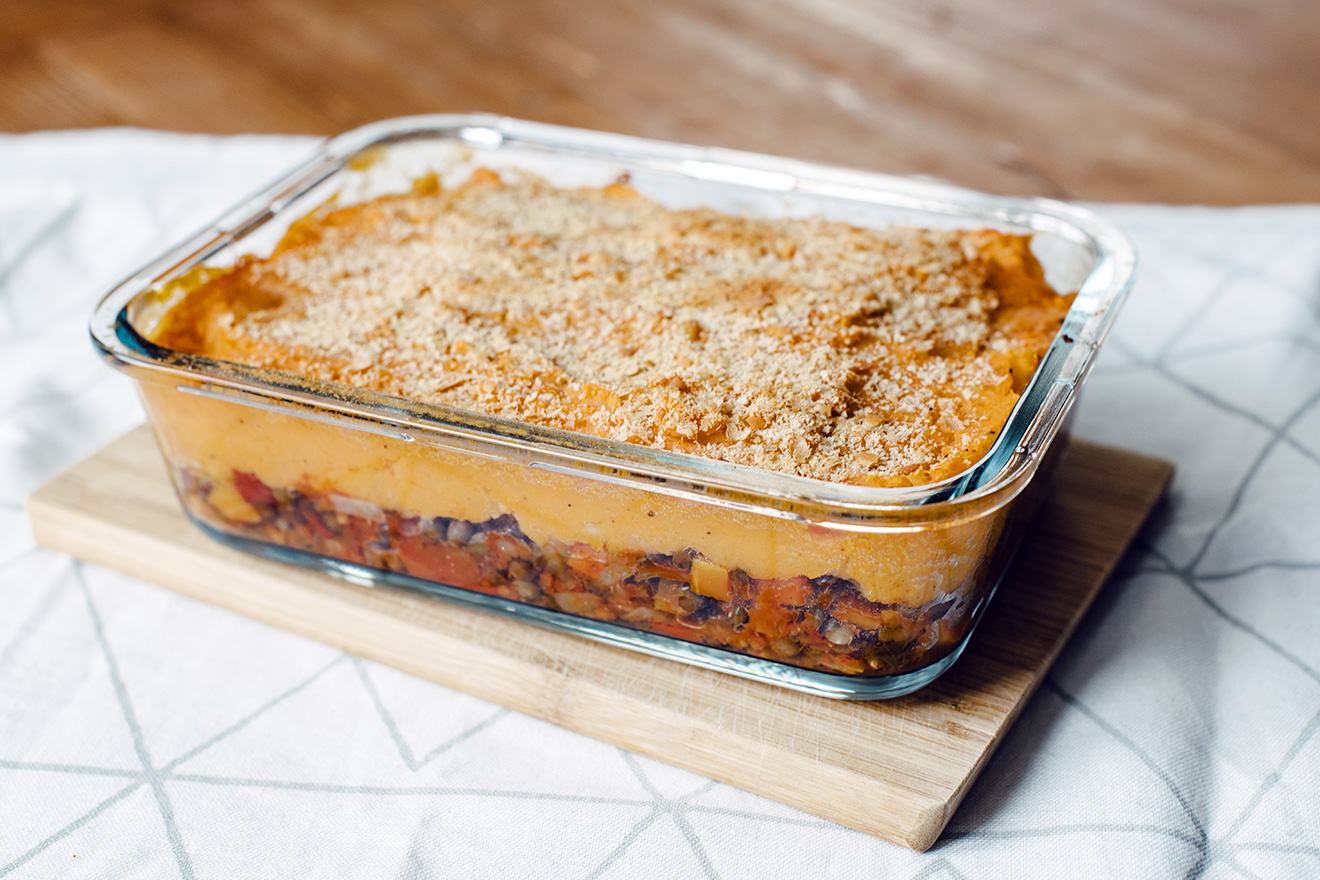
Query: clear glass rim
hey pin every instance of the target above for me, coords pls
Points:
(994, 480)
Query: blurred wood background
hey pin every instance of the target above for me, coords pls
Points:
(1214, 101)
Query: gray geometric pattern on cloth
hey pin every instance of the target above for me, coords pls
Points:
(144, 735)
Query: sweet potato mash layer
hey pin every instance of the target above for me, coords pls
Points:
(881, 357)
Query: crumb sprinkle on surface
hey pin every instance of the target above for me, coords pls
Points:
(880, 357)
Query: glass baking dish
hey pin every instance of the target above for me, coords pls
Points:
(834, 589)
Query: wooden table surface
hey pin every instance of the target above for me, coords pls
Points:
(1185, 101)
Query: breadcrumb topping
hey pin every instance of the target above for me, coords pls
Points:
(881, 357)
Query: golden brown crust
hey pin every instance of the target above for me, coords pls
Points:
(881, 357)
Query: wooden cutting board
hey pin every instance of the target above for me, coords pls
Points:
(896, 769)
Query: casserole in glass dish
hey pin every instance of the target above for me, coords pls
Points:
(819, 570)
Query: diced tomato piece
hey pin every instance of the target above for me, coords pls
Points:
(312, 517)
(254, 492)
(439, 562)
(796, 591)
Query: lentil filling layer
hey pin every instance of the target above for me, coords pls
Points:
(822, 623)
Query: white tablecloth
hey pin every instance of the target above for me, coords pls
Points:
(144, 735)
